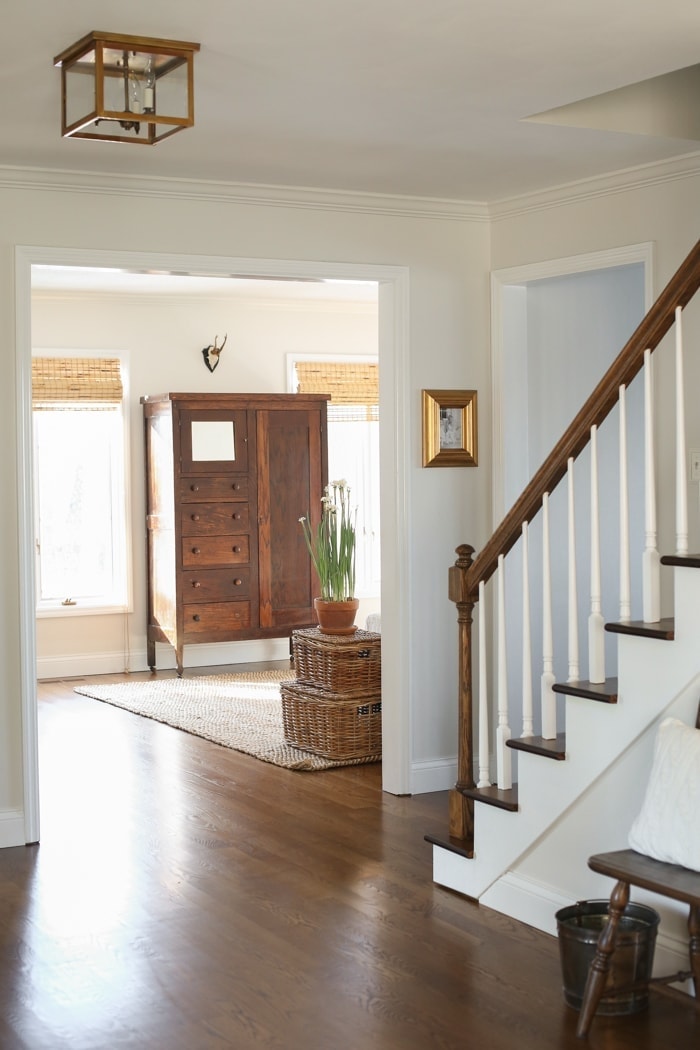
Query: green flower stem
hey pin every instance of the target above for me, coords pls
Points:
(332, 544)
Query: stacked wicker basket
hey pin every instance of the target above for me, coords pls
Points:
(333, 707)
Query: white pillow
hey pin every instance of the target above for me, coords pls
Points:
(668, 825)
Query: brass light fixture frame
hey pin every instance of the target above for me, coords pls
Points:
(95, 55)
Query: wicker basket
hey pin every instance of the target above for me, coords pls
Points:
(339, 729)
(350, 665)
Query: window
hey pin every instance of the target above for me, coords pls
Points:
(353, 447)
(80, 494)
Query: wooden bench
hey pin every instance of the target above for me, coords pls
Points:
(630, 868)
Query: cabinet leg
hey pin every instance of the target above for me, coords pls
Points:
(178, 659)
(151, 654)
(595, 985)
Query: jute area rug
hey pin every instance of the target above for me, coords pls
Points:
(240, 711)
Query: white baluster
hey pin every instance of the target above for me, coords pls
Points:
(503, 755)
(527, 641)
(547, 695)
(681, 479)
(651, 559)
(574, 671)
(625, 602)
(596, 624)
(484, 774)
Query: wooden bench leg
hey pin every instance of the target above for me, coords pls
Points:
(694, 932)
(595, 984)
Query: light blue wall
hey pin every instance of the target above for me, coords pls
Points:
(575, 325)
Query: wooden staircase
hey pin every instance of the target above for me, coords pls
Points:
(658, 664)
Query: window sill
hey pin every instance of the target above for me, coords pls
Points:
(45, 612)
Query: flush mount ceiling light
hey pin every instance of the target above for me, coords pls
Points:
(126, 88)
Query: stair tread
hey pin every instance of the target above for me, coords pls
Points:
(538, 745)
(494, 796)
(604, 692)
(454, 845)
(663, 628)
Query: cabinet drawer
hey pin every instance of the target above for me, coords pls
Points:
(208, 551)
(222, 487)
(213, 585)
(214, 519)
(224, 618)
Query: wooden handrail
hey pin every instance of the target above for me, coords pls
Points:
(678, 292)
(465, 575)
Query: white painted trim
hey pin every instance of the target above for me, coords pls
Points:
(438, 775)
(25, 510)
(12, 828)
(536, 904)
(215, 654)
(625, 255)
(242, 193)
(395, 446)
(525, 899)
(686, 166)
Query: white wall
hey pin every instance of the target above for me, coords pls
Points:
(445, 251)
(159, 338)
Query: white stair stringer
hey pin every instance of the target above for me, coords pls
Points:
(652, 675)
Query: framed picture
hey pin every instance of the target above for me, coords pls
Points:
(449, 428)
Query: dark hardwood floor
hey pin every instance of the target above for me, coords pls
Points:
(187, 897)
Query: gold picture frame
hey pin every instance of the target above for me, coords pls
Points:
(449, 428)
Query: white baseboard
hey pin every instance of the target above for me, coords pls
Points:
(438, 775)
(526, 900)
(12, 828)
(81, 665)
(536, 904)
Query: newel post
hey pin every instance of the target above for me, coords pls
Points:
(461, 808)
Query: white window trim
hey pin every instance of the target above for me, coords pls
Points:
(86, 607)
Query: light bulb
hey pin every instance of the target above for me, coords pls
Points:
(149, 89)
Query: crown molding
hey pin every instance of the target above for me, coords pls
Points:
(241, 193)
(686, 166)
(581, 190)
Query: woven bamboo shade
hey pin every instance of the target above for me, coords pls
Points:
(75, 381)
(353, 388)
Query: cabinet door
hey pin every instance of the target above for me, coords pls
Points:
(213, 441)
(292, 472)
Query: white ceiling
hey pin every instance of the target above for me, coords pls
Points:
(378, 96)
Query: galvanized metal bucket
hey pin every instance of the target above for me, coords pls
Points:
(579, 927)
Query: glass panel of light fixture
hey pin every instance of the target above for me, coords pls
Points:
(80, 88)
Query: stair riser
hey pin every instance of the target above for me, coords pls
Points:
(654, 677)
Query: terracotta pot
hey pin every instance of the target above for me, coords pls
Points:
(336, 617)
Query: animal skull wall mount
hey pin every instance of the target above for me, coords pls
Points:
(211, 354)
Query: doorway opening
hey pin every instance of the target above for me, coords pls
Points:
(393, 352)
(557, 328)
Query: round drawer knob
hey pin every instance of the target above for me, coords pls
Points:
(196, 617)
(196, 583)
(235, 486)
(237, 583)
(236, 550)
(196, 550)
(194, 488)
(195, 517)
(236, 517)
